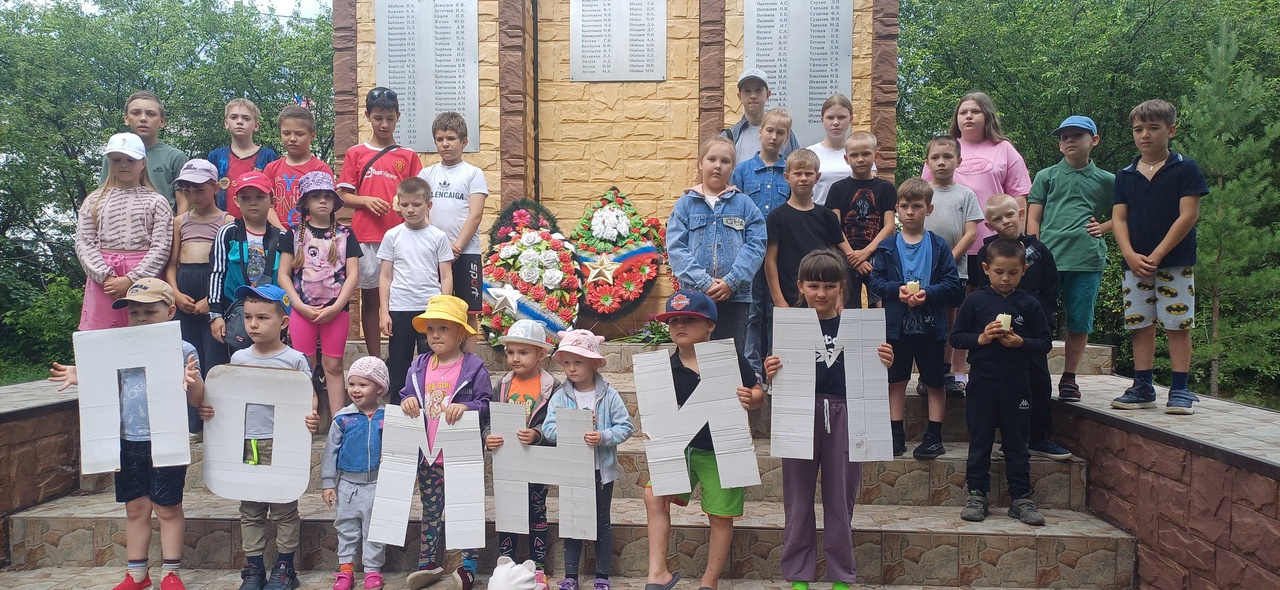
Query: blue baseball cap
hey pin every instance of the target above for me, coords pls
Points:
(1079, 122)
(689, 303)
(268, 292)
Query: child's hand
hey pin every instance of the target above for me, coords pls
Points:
(593, 438)
(853, 258)
(305, 310)
(904, 295)
(202, 306)
(66, 374)
(116, 287)
(457, 250)
(184, 302)
(410, 407)
(746, 396)
(917, 299)
(1011, 340)
(192, 373)
(771, 366)
(206, 412)
(991, 333)
(313, 421)
(325, 314)
(385, 324)
(493, 442)
(1093, 227)
(885, 352)
(453, 412)
(1139, 265)
(719, 290)
(330, 496)
(219, 329)
(864, 268)
(527, 436)
(375, 205)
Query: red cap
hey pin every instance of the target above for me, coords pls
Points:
(252, 178)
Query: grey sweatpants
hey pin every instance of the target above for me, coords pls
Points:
(355, 506)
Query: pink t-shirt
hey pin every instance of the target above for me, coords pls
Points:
(437, 392)
(989, 169)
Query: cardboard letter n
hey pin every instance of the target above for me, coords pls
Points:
(570, 464)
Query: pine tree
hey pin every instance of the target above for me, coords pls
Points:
(1236, 273)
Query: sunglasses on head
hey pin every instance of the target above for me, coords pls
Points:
(378, 93)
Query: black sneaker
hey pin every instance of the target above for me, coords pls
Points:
(976, 507)
(1026, 512)
(252, 577)
(929, 449)
(1068, 391)
(951, 386)
(899, 444)
(282, 578)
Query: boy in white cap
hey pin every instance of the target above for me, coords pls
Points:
(753, 93)
(531, 386)
(349, 471)
(584, 387)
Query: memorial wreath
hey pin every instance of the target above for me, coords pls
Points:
(619, 253)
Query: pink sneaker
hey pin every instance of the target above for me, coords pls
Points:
(539, 580)
(343, 581)
(372, 580)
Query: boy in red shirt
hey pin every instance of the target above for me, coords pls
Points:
(297, 131)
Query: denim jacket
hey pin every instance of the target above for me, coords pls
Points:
(726, 242)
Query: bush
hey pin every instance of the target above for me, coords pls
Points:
(40, 332)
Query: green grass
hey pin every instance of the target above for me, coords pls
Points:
(11, 373)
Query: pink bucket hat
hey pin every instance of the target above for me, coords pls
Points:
(582, 343)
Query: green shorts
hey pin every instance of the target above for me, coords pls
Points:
(716, 501)
(1079, 299)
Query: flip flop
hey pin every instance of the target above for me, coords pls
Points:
(675, 578)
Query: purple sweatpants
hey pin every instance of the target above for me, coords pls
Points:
(841, 484)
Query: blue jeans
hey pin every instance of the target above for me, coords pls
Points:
(759, 324)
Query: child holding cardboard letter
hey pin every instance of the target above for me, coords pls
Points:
(531, 386)
(585, 387)
(822, 280)
(349, 471)
(691, 316)
(1003, 328)
(142, 487)
(445, 382)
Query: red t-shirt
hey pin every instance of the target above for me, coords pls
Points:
(382, 180)
(237, 167)
(284, 179)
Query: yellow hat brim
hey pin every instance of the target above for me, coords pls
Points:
(420, 321)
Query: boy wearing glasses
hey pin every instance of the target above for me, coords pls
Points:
(370, 175)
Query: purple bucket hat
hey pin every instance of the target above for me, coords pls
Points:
(317, 181)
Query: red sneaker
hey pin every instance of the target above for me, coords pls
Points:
(129, 584)
(171, 581)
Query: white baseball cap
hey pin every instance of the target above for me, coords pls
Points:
(128, 144)
(526, 331)
(197, 171)
(756, 73)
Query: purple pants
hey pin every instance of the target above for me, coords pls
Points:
(841, 484)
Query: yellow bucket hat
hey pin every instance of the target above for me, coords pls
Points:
(444, 307)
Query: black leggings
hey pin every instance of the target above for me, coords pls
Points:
(193, 281)
(604, 536)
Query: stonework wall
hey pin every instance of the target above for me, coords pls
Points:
(39, 460)
(1200, 523)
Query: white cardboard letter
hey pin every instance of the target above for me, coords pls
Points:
(229, 388)
(670, 427)
(100, 354)
(402, 439)
(570, 465)
(798, 343)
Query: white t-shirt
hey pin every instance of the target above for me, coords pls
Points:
(833, 168)
(451, 190)
(586, 399)
(415, 255)
(259, 420)
(748, 143)
(952, 208)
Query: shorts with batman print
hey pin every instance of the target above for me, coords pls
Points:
(1169, 295)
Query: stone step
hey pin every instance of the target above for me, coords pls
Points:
(105, 578)
(893, 544)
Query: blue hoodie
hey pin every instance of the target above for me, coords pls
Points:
(944, 285)
(353, 450)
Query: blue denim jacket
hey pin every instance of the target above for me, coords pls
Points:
(723, 243)
(765, 184)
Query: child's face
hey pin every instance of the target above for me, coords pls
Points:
(772, 136)
(971, 120)
(144, 118)
(753, 94)
(802, 179)
(1007, 222)
(861, 156)
(444, 337)
(320, 205)
(264, 321)
(716, 166)
(911, 214)
(1152, 137)
(943, 161)
(124, 169)
(296, 137)
(578, 369)
(253, 203)
(689, 330)
(1074, 142)
(822, 296)
(363, 392)
(449, 145)
(836, 121)
(241, 123)
(198, 195)
(383, 122)
(143, 314)
(1005, 272)
(414, 208)
(524, 359)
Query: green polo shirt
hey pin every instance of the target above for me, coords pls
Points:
(1070, 197)
(163, 164)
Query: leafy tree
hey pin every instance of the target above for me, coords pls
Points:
(1238, 244)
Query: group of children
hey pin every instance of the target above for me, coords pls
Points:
(276, 267)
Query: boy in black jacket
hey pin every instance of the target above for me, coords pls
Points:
(1004, 329)
(1005, 217)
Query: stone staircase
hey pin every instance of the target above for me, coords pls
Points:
(907, 528)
